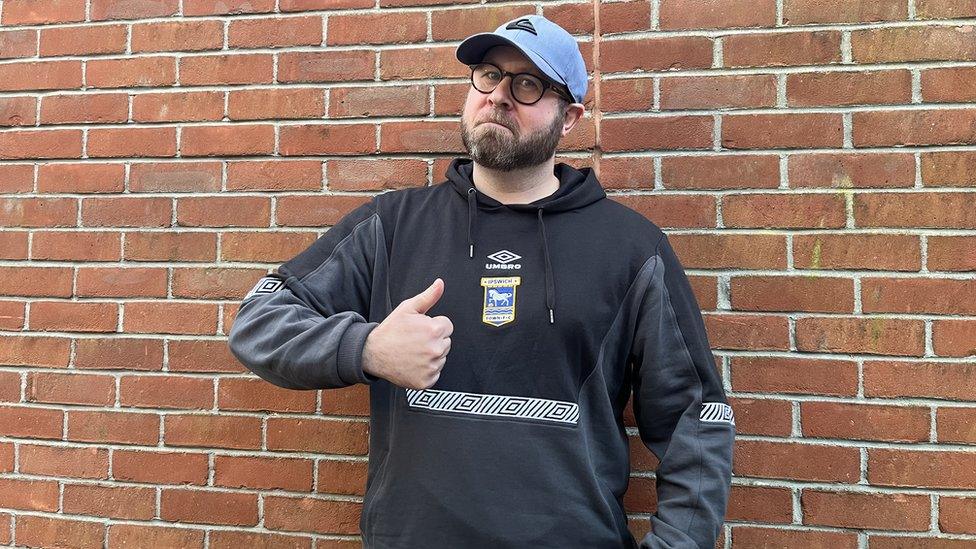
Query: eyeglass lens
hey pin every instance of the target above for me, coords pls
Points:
(524, 87)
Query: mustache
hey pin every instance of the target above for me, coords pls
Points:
(497, 120)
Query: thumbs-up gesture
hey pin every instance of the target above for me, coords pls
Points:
(409, 348)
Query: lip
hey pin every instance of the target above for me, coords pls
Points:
(496, 124)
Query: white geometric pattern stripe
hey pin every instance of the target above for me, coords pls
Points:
(718, 412)
(494, 405)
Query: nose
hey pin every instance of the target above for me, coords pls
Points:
(501, 93)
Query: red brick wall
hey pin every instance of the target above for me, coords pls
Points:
(813, 163)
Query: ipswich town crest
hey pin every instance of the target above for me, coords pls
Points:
(499, 303)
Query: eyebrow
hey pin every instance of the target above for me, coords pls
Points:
(528, 69)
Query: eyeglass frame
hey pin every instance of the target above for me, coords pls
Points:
(546, 84)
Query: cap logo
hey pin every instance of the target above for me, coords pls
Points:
(522, 24)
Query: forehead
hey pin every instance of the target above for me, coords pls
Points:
(510, 59)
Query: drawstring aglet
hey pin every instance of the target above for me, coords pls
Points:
(471, 250)
(551, 321)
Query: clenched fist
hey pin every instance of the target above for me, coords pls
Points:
(409, 348)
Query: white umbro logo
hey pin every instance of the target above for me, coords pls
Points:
(503, 260)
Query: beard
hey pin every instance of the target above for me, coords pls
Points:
(498, 148)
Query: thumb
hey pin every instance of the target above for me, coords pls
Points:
(426, 299)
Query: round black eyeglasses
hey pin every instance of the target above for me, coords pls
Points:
(525, 87)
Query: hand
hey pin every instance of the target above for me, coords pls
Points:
(409, 348)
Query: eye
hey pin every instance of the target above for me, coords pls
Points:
(528, 83)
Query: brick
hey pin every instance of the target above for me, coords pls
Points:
(673, 211)
(43, 531)
(376, 28)
(33, 495)
(949, 381)
(39, 212)
(126, 212)
(225, 7)
(949, 169)
(170, 318)
(767, 131)
(128, 353)
(147, 141)
(17, 111)
(918, 295)
(915, 43)
(263, 246)
(305, 139)
(867, 170)
(107, 427)
(207, 355)
(747, 332)
(949, 84)
(576, 18)
(275, 104)
(18, 43)
(228, 140)
(458, 24)
(165, 391)
(76, 246)
(35, 281)
(856, 335)
(375, 175)
(341, 477)
(230, 539)
(214, 431)
(123, 502)
(312, 515)
(326, 66)
(41, 144)
(865, 421)
(184, 35)
(223, 211)
(273, 175)
(121, 282)
(275, 32)
(61, 461)
(808, 89)
(743, 251)
(866, 510)
(378, 101)
(90, 108)
(87, 177)
(939, 210)
(40, 12)
(316, 210)
(770, 538)
(718, 172)
(709, 14)
(956, 425)
(209, 507)
(61, 388)
(132, 72)
(619, 94)
(237, 68)
(30, 421)
(626, 16)
(170, 246)
(68, 316)
(718, 92)
(805, 12)
(954, 338)
(213, 282)
(768, 417)
(781, 49)
(929, 469)
(658, 132)
(315, 435)
(815, 462)
(160, 467)
(792, 293)
(652, 54)
(889, 252)
(348, 401)
(944, 9)
(83, 40)
(419, 136)
(914, 127)
(191, 106)
(423, 63)
(110, 9)
(262, 472)
(955, 515)
(138, 535)
(796, 211)
(200, 176)
(794, 375)
(254, 395)
(760, 503)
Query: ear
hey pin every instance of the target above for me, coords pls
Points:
(574, 112)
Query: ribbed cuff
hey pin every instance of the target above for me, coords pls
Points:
(349, 359)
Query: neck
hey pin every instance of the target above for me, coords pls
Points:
(517, 186)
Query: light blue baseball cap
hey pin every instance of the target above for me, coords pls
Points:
(550, 48)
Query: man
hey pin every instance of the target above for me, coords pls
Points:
(497, 391)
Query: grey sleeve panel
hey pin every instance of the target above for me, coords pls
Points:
(682, 413)
(305, 325)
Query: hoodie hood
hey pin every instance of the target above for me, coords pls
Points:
(577, 189)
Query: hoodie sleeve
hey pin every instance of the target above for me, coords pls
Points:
(681, 410)
(303, 325)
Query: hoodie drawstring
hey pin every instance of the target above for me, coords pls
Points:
(550, 287)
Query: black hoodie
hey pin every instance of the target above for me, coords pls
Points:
(563, 309)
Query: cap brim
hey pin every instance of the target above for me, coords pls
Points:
(473, 48)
